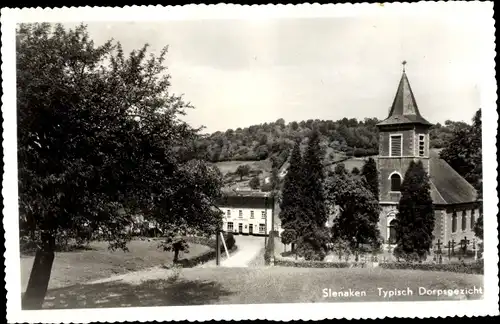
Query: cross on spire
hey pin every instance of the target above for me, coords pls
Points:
(404, 63)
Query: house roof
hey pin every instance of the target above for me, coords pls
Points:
(447, 186)
(228, 192)
(404, 109)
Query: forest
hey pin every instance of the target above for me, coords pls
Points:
(274, 140)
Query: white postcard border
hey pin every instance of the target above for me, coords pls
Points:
(285, 312)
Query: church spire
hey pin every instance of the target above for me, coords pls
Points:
(404, 109)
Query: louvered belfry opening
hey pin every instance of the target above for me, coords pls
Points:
(396, 145)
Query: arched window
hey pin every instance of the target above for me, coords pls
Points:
(395, 182)
(464, 220)
(472, 218)
(454, 222)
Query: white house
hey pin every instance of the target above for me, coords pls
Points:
(248, 212)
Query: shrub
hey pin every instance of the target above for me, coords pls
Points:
(318, 264)
(461, 267)
(229, 239)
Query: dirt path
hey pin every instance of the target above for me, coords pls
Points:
(249, 253)
(249, 249)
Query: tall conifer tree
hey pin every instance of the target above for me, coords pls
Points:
(313, 234)
(291, 197)
(370, 174)
(415, 219)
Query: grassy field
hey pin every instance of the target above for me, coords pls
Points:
(201, 286)
(80, 266)
(231, 166)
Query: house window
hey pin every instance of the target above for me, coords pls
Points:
(251, 214)
(395, 182)
(240, 214)
(396, 144)
(454, 222)
(421, 145)
(228, 213)
(230, 227)
(472, 219)
(262, 228)
(264, 214)
(464, 220)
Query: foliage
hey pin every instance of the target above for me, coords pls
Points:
(229, 239)
(478, 226)
(291, 196)
(175, 243)
(318, 264)
(370, 175)
(243, 170)
(99, 141)
(355, 171)
(441, 135)
(464, 152)
(254, 183)
(275, 140)
(312, 236)
(357, 222)
(461, 267)
(342, 248)
(415, 218)
(288, 236)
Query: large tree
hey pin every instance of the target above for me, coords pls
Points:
(370, 175)
(291, 200)
(313, 234)
(464, 152)
(415, 218)
(99, 141)
(358, 210)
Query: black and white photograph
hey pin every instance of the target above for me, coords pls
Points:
(250, 162)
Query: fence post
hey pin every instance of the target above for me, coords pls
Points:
(217, 248)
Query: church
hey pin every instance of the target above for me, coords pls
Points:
(403, 137)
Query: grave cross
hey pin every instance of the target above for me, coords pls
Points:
(439, 251)
(439, 246)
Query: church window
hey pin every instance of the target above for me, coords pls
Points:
(454, 222)
(395, 182)
(396, 143)
(464, 220)
(472, 218)
(421, 145)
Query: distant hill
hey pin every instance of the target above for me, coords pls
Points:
(273, 141)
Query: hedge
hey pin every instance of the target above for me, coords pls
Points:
(469, 268)
(318, 264)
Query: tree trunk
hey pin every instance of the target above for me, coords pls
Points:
(40, 274)
(176, 255)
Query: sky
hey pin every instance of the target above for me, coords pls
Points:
(238, 73)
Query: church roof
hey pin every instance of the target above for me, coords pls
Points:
(404, 109)
(447, 186)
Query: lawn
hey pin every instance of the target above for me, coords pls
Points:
(231, 166)
(201, 286)
(70, 268)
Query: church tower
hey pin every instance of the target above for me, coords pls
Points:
(403, 137)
